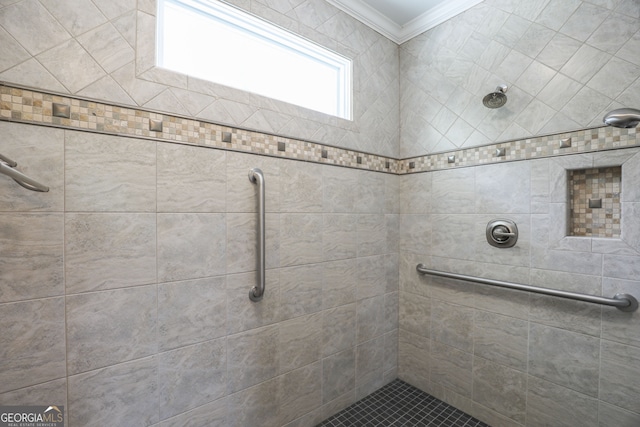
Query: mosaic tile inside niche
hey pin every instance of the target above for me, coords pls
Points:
(588, 189)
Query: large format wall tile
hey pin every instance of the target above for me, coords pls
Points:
(191, 312)
(252, 357)
(31, 256)
(190, 247)
(105, 251)
(191, 376)
(106, 175)
(500, 388)
(105, 328)
(618, 375)
(551, 404)
(338, 375)
(565, 358)
(191, 179)
(39, 153)
(33, 338)
(125, 394)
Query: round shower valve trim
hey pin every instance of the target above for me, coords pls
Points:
(502, 233)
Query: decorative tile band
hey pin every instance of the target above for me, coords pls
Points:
(27, 105)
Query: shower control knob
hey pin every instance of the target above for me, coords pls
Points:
(502, 233)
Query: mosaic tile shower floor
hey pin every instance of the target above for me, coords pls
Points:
(400, 404)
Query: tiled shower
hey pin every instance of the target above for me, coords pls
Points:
(124, 289)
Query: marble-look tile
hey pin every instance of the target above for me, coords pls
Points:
(390, 365)
(301, 290)
(556, 13)
(35, 39)
(370, 315)
(338, 329)
(415, 234)
(453, 191)
(620, 326)
(558, 51)
(109, 250)
(511, 196)
(409, 279)
(241, 193)
(565, 358)
(338, 374)
(501, 339)
(584, 21)
(106, 173)
(453, 236)
(621, 267)
(413, 356)
(618, 375)
(500, 388)
(551, 404)
(107, 47)
(300, 239)
(299, 342)
(254, 406)
(125, 394)
(192, 311)
(452, 324)
(566, 314)
(392, 272)
(299, 392)
(392, 194)
(339, 236)
(415, 314)
(451, 368)
(301, 187)
(31, 256)
(369, 367)
(191, 376)
(567, 261)
(241, 313)
(391, 312)
(39, 153)
(189, 245)
(212, 414)
(340, 281)
(630, 174)
(242, 241)
(372, 235)
(52, 391)
(370, 195)
(33, 338)
(416, 194)
(76, 16)
(71, 65)
(337, 193)
(252, 357)
(105, 328)
(191, 179)
(371, 277)
(612, 415)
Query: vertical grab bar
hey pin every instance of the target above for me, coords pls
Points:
(257, 292)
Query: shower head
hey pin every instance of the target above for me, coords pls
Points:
(496, 99)
(623, 118)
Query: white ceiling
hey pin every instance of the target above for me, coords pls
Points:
(401, 20)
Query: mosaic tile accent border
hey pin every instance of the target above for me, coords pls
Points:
(595, 202)
(31, 106)
(27, 105)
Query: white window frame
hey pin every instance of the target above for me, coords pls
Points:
(263, 31)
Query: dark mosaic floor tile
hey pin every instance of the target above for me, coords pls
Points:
(399, 404)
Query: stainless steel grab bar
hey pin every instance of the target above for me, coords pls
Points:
(623, 302)
(257, 292)
(6, 168)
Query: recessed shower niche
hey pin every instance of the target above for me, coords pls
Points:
(594, 196)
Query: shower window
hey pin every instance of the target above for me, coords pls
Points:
(220, 43)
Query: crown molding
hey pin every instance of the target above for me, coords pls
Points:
(397, 33)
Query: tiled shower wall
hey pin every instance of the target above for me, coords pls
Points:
(566, 62)
(508, 357)
(105, 50)
(124, 290)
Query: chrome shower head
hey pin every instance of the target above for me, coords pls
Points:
(623, 118)
(496, 99)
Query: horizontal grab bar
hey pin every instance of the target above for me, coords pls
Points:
(21, 178)
(624, 302)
